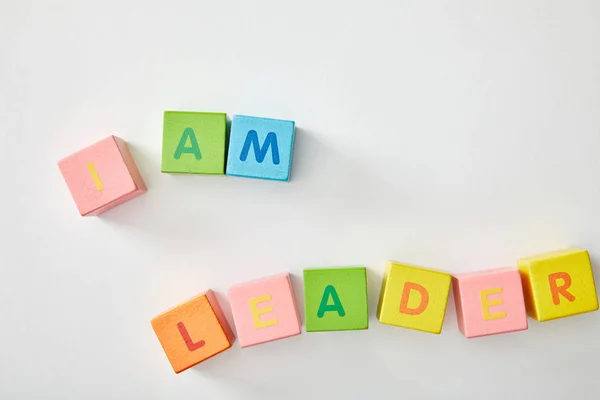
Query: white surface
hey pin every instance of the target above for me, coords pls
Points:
(457, 135)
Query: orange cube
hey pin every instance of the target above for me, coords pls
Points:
(193, 331)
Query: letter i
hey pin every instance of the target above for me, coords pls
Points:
(95, 176)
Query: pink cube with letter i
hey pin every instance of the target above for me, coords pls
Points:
(102, 176)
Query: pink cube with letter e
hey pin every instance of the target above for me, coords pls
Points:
(489, 302)
(102, 176)
(264, 310)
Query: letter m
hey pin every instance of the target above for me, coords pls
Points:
(260, 152)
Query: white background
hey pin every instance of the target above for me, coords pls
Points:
(457, 135)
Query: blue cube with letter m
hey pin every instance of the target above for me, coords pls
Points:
(260, 148)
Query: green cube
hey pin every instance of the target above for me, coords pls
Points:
(335, 299)
(194, 142)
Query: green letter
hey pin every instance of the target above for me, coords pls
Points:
(194, 149)
(336, 306)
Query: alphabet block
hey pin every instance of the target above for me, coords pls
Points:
(261, 148)
(336, 299)
(489, 302)
(193, 331)
(194, 142)
(264, 310)
(558, 284)
(413, 297)
(102, 176)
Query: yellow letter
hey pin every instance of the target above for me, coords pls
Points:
(256, 313)
(95, 176)
(486, 304)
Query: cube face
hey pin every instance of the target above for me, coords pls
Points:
(194, 142)
(102, 176)
(193, 331)
(264, 310)
(413, 297)
(261, 148)
(489, 302)
(558, 284)
(336, 299)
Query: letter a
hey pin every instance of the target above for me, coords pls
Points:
(193, 149)
(336, 306)
(260, 152)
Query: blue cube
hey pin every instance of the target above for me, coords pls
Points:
(260, 148)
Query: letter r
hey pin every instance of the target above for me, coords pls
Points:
(562, 289)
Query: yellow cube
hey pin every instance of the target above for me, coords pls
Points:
(413, 297)
(558, 284)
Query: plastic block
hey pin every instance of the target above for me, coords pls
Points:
(335, 299)
(261, 148)
(413, 297)
(489, 302)
(264, 310)
(558, 284)
(102, 176)
(194, 142)
(193, 331)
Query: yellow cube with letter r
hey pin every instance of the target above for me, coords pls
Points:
(413, 297)
(558, 284)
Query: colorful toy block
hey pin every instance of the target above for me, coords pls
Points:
(264, 310)
(193, 331)
(194, 142)
(261, 148)
(413, 297)
(489, 302)
(558, 284)
(102, 176)
(335, 299)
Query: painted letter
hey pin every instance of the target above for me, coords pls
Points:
(336, 306)
(95, 176)
(486, 304)
(408, 286)
(187, 339)
(261, 152)
(193, 149)
(257, 312)
(558, 290)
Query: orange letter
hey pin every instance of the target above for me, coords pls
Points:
(556, 290)
(408, 286)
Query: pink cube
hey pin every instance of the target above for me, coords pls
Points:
(264, 310)
(489, 302)
(102, 176)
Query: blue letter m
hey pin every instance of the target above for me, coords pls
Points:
(261, 152)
